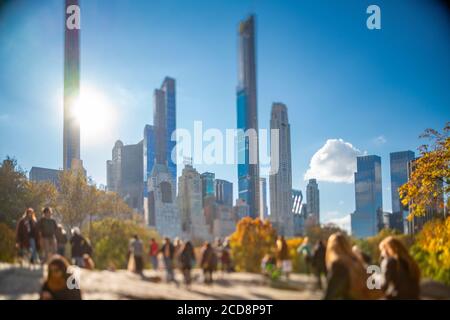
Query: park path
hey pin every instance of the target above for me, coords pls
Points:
(23, 283)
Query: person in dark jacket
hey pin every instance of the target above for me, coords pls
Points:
(58, 286)
(47, 227)
(187, 260)
(61, 240)
(401, 275)
(77, 244)
(208, 262)
(318, 262)
(27, 235)
(168, 253)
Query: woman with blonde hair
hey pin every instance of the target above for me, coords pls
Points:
(27, 236)
(347, 278)
(401, 274)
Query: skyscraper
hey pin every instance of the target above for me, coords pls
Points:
(193, 222)
(149, 160)
(71, 127)
(247, 119)
(164, 121)
(224, 192)
(399, 175)
(298, 214)
(208, 190)
(313, 201)
(263, 209)
(367, 218)
(125, 171)
(280, 179)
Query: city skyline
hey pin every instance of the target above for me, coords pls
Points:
(377, 139)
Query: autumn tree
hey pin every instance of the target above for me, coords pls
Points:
(429, 182)
(252, 239)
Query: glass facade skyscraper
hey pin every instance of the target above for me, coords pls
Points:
(247, 118)
(368, 215)
(224, 192)
(149, 155)
(71, 127)
(399, 162)
(164, 121)
(208, 189)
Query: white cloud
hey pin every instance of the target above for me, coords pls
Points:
(380, 140)
(334, 162)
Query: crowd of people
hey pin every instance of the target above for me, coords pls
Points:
(43, 242)
(180, 255)
(343, 267)
(346, 269)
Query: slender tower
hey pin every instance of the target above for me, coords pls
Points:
(71, 145)
(247, 119)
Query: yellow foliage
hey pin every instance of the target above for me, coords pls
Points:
(252, 240)
(432, 249)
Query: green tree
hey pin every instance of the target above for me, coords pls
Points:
(13, 191)
(7, 243)
(110, 238)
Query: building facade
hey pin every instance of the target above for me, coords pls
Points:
(313, 201)
(366, 221)
(38, 174)
(263, 209)
(163, 213)
(247, 119)
(399, 162)
(193, 222)
(224, 192)
(280, 178)
(71, 126)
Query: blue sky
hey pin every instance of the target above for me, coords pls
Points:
(376, 90)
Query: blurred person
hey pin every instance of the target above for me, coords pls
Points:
(187, 261)
(305, 251)
(400, 273)
(346, 275)
(282, 253)
(47, 227)
(208, 262)
(318, 262)
(153, 253)
(136, 252)
(168, 253)
(27, 235)
(77, 247)
(362, 255)
(61, 240)
(56, 286)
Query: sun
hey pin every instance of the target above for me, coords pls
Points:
(94, 112)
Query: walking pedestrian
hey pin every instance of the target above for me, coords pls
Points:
(208, 262)
(282, 253)
(168, 253)
(77, 242)
(187, 261)
(305, 251)
(153, 253)
(318, 262)
(136, 252)
(27, 236)
(61, 240)
(47, 227)
(400, 273)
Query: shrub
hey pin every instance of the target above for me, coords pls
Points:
(252, 240)
(110, 239)
(7, 243)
